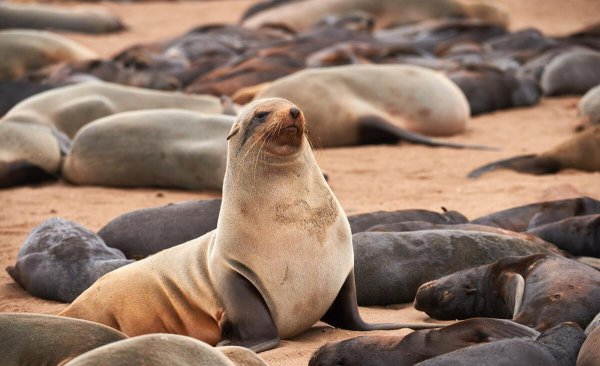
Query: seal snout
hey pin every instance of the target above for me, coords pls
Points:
(294, 112)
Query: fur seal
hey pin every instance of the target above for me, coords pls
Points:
(71, 107)
(144, 232)
(589, 354)
(362, 222)
(35, 16)
(187, 152)
(36, 339)
(60, 259)
(375, 104)
(588, 108)
(30, 153)
(539, 291)
(25, 50)
(571, 72)
(522, 218)
(301, 15)
(578, 235)
(419, 345)
(581, 152)
(164, 349)
(557, 346)
(390, 267)
(230, 285)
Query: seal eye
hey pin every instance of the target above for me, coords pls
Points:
(261, 115)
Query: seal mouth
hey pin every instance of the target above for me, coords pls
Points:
(286, 137)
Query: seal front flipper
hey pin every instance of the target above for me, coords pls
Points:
(376, 130)
(344, 314)
(512, 288)
(247, 321)
(532, 164)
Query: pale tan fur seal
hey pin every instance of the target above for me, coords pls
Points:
(299, 16)
(23, 50)
(280, 259)
(71, 107)
(366, 104)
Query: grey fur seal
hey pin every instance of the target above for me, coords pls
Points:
(523, 218)
(577, 235)
(60, 259)
(390, 267)
(165, 349)
(69, 108)
(35, 16)
(419, 345)
(557, 346)
(182, 149)
(25, 50)
(36, 339)
(571, 72)
(539, 291)
(589, 107)
(364, 221)
(144, 232)
(581, 152)
(235, 285)
(375, 104)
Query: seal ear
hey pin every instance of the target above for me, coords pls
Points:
(235, 130)
(512, 288)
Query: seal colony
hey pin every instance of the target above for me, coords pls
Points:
(245, 283)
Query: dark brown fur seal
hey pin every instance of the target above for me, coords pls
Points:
(580, 152)
(578, 235)
(362, 222)
(557, 346)
(36, 339)
(390, 267)
(522, 218)
(60, 259)
(539, 291)
(419, 345)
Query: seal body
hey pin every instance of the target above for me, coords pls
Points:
(161, 349)
(539, 291)
(71, 107)
(589, 107)
(60, 259)
(362, 222)
(370, 99)
(390, 267)
(578, 235)
(231, 284)
(589, 354)
(555, 347)
(141, 233)
(419, 345)
(183, 149)
(36, 339)
(25, 50)
(572, 72)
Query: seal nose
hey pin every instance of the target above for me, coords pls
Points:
(294, 112)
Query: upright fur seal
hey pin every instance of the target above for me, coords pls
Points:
(539, 291)
(60, 259)
(557, 346)
(25, 50)
(419, 345)
(35, 16)
(164, 349)
(244, 283)
(71, 107)
(374, 104)
(182, 149)
(36, 339)
(390, 267)
(581, 152)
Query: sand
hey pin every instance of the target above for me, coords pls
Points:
(363, 178)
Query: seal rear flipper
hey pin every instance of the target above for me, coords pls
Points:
(246, 321)
(512, 289)
(532, 164)
(22, 172)
(344, 314)
(376, 130)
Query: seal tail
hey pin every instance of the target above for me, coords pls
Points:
(376, 130)
(532, 164)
